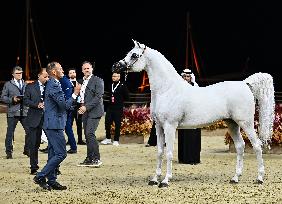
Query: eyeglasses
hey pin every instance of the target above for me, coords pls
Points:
(18, 73)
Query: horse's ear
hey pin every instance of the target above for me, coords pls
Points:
(138, 44)
(135, 42)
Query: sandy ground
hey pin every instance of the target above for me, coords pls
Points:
(126, 170)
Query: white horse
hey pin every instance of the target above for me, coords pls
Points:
(175, 103)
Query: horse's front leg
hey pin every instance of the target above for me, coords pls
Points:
(169, 131)
(160, 145)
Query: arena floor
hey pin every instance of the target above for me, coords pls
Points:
(126, 170)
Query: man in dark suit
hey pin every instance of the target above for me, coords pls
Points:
(77, 117)
(33, 98)
(55, 107)
(92, 108)
(119, 93)
(12, 95)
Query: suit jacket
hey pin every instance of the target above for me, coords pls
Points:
(56, 105)
(120, 95)
(93, 98)
(32, 98)
(67, 86)
(10, 90)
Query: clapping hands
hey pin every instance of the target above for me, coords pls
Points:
(82, 110)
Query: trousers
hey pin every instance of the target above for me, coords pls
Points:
(90, 126)
(11, 126)
(56, 154)
(115, 116)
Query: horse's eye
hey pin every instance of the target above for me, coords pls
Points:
(134, 56)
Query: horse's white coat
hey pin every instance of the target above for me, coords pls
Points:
(175, 103)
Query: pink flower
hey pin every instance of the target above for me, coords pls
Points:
(136, 121)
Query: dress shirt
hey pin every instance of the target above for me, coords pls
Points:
(19, 83)
(83, 88)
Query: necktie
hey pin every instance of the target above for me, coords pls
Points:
(20, 85)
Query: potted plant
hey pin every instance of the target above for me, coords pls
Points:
(136, 124)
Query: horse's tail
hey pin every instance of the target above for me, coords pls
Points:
(261, 84)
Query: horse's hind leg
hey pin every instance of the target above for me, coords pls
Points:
(160, 145)
(248, 127)
(234, 131)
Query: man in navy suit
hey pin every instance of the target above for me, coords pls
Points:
(55, 117)
(33, 98)
(67, 88)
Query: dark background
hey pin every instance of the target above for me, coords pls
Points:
(232, 40)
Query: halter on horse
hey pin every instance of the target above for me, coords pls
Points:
(175, 103)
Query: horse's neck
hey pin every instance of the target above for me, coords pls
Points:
(162, 74)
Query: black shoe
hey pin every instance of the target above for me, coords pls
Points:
(44, 150)
(81, 143)
(42, 183)
(148, 145)
(58, 172)
(9, 156)
(91, 163)
(72, 151)
(57, 186)
(194, 163)
(86, 161)
(33, 172)
(26, 153)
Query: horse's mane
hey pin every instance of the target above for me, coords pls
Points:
(165, 61)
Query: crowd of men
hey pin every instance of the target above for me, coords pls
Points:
(51, 104)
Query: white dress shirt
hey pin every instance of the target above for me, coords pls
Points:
(83, 88)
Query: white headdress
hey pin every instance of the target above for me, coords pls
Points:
(188, 71)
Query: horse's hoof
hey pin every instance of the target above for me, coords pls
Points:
(233, 182)
(163, 185)
(153, 183)
(259, 182)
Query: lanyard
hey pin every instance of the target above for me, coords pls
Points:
(113, 89)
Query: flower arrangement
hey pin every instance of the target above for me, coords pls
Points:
(277, 128)
(136, 121)
(218, 125)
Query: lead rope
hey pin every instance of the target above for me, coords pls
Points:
(126, 72)
(125, 76)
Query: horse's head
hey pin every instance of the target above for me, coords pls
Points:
(134, 60)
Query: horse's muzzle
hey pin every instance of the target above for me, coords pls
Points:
(120, 66)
